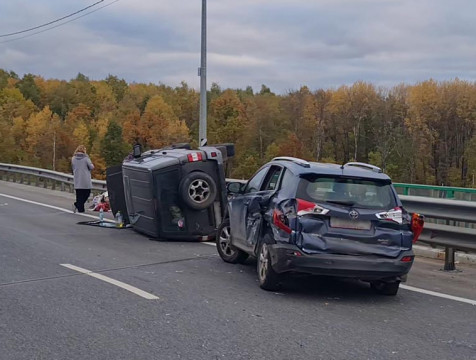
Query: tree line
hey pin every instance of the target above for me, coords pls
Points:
(421, 133)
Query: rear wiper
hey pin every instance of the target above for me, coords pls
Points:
(341, 202)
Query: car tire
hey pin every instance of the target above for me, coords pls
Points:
(385, 288)
(228, 252)
(267, 277)
(198, 190)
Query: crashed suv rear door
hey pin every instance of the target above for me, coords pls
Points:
(356, 217)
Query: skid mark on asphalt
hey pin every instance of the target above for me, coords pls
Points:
(112, 281)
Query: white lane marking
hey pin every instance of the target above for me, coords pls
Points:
(422, 291)
(406, 287)
(209, 243)
(120, 284)
(437, 294)
(53, 207)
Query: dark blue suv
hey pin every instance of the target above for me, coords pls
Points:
(325, 219)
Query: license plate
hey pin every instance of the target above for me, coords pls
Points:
(350, 224)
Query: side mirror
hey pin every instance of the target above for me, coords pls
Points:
(234, 187)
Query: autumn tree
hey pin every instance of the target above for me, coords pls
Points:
(41, 131)
(423, 116)
(422, 133)
(159, 126)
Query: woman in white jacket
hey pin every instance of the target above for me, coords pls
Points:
(82, 167)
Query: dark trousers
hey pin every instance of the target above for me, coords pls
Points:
(82, 196)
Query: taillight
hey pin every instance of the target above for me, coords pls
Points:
(279, 220)
(395, 215)
(407, 259)
(417, 224)
(306, 207)
(196, 156)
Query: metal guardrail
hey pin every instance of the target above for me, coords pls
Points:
(447, 192)
(45, 178)
(453, 235)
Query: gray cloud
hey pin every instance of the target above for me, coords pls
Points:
(281, 43)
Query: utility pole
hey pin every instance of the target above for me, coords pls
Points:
(54, 150)
(202, 72)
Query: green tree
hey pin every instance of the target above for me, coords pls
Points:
(118, 87)
(29, 89)
(113, 148)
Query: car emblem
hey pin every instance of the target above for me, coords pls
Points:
(353, 214)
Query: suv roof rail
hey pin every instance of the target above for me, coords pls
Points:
(365, 166)
(297, 161)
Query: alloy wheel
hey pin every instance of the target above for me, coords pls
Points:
(263, 262)
(199, 190)
(224, 241)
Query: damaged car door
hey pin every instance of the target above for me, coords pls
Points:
(247, 210)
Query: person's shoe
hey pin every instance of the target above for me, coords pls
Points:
(74, 208)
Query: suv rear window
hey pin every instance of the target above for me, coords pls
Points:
(360, 193)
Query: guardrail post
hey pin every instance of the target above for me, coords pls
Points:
(449, 259)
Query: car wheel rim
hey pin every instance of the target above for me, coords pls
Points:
(199, 190)
(224, 241)
(263, 262)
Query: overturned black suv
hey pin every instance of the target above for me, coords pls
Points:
(172, 193)
(325, 219)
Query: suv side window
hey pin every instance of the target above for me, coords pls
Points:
(255, 182)
(272, 179)
(288, 181)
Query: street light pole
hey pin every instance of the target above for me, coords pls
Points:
(202, 72)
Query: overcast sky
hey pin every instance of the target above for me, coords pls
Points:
(283, 44)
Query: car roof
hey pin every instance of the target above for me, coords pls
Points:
(330, 169)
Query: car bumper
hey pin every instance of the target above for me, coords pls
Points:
(287, 258)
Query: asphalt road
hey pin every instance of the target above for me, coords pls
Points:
(203, 307)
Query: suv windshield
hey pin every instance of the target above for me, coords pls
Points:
(355, 192)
